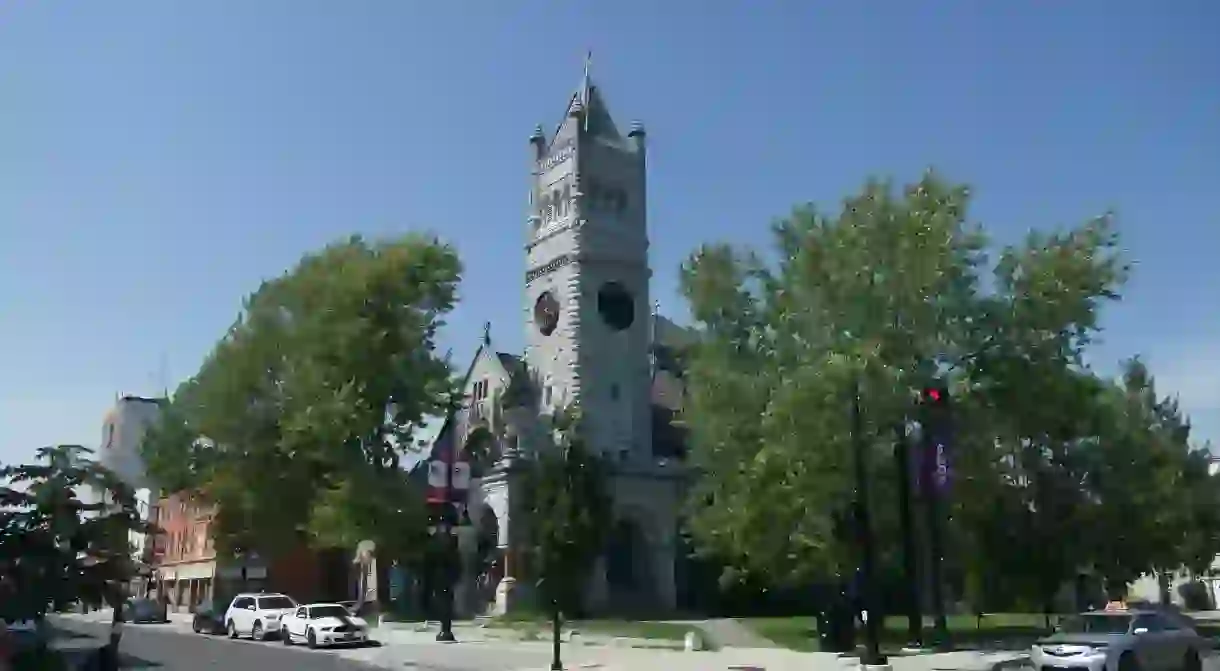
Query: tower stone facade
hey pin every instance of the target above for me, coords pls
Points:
(590, 334)
(586, 283)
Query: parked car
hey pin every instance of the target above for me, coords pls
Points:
(144, 611)
(257, 615)
(323, 624)
(208, 617)
(1120, 640)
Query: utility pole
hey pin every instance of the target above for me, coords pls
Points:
(872, 623)
(902, 463)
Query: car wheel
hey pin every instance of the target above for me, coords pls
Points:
(311, 640)
(285, 637)
(1128, 662)
(1192, 661)
(256, 632)
(231, 629)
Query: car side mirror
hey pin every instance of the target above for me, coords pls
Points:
(1140, 630)
(251, 607)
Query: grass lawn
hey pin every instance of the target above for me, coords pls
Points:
(541, 625)
(800, 633)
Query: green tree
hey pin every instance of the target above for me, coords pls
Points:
(893, 290)
(567, 516)
(1155, 500)
(296, 422)
(64, 528)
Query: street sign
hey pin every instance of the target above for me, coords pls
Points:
(437, 476)
(941, 466)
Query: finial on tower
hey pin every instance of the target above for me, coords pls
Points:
(487, 333)
(586, 86)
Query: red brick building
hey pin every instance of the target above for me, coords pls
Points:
(187, 569)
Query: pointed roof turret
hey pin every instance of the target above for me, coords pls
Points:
(589, 107)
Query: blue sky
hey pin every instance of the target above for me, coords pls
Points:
(157, 159)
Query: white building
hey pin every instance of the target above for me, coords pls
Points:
(123, 429)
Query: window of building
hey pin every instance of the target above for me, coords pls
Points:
(546, 395)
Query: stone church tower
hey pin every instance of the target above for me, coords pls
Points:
(586, 284)
(591, 340)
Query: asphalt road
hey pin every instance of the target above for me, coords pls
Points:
(162, 648)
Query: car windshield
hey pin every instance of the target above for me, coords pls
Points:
(270, 602)
(327, 611)
(1096, 624)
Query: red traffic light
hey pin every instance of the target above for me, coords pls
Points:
(935, 395)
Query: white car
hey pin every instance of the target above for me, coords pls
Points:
(257, 615)
(323, 624)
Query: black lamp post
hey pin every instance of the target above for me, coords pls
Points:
(446, 529)
(872, 653)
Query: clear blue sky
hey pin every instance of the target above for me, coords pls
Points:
(157, 159)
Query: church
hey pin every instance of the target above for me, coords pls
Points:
(593, 339)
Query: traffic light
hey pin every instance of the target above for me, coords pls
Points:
(935, 396)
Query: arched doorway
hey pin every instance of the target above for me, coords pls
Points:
(629, 574)
(487, 566)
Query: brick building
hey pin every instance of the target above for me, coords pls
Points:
(187, 569)
(183, 554)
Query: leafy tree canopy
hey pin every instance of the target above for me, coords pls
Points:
(297, 420)
(64, 525)
(896, 289)
(567, 513)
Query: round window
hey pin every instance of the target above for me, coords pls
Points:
(546, 313)
(616, 305)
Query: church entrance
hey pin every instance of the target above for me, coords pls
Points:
(487, 565)
(629, 575)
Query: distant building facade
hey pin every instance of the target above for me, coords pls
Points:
(123, 431)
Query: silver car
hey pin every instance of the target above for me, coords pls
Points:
(1124, 640)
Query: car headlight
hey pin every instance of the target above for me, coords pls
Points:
(1098, 649)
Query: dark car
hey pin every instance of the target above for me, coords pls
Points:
(209, 618)
(145, 611)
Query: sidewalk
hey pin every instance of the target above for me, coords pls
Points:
(407, 646)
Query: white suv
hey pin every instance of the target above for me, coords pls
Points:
(257, 615)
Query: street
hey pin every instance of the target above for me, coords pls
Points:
(174, 646)
(167, 647)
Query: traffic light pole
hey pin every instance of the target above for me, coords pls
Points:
(941, 627)
(935, 421)
(902, 463)
(872, 623)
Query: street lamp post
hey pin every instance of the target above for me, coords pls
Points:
(446, 528)
(872, 621)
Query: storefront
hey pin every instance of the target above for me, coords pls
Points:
(182, 586)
